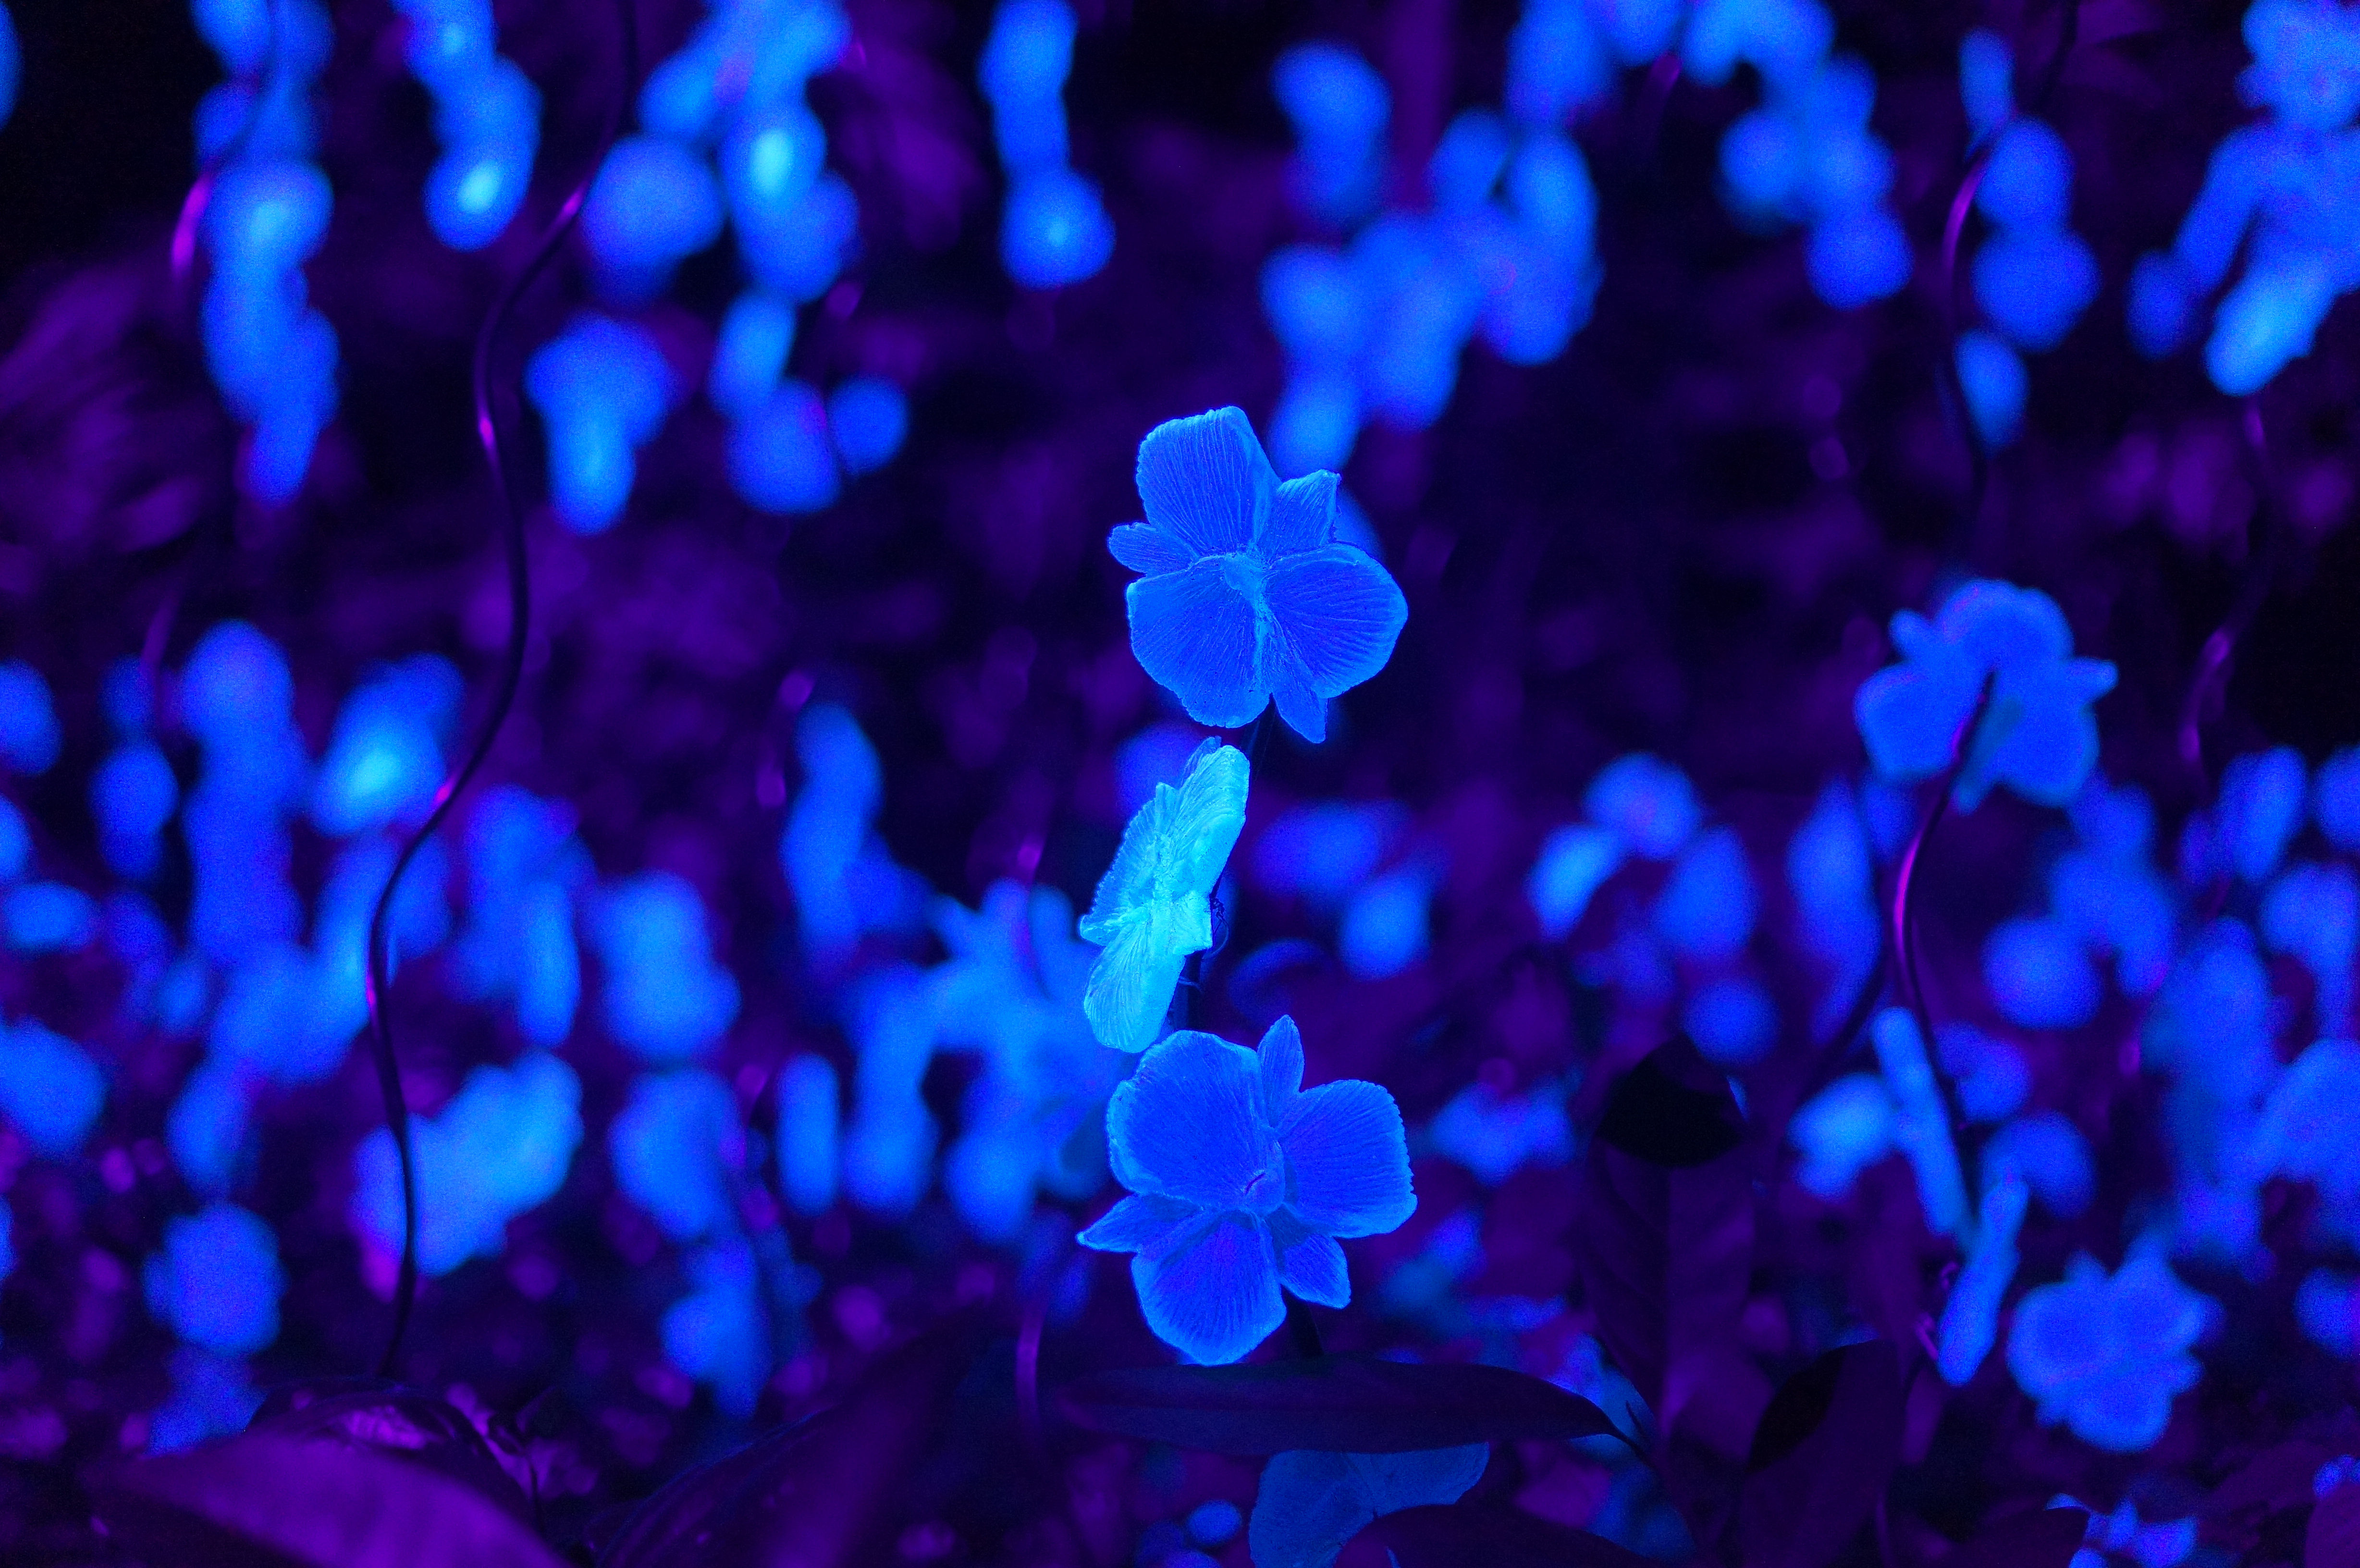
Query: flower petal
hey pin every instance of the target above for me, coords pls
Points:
(1302, 516)
(1144, 547)
(1348, 1160)
(1305, 711)
(1340, 611)
(1205, 481)
(1215, 1298)
(1205, 822)
(1185, 1125)
(1309, 1264)
(1130, 985)
(1196, 636)
(1142, 1223)
(1281, 1056)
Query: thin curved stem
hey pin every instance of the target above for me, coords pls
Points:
(511, 676)
(2068, 33)
(1954, 228)
(2252, 592)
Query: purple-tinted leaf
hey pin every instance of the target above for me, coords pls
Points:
(1673, 1109)
(2332, 1541)
(1347, 1404)
(1454, 1535)
(809, 1494)
(262, 1500)
(2045, 1537)
(404, 1423)
(1821, 1457)
(1665, 1244)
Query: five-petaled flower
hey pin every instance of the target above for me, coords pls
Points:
(1153, 906)
(1248, 595)
(1243, 1181)
(2038, 735)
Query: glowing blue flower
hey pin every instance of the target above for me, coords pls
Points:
(30, 737)
(2038, 736)
(2039, 974)
(385, 757)
(809, 1113)
(1971, 1317)
(1842, 1131)
(1339, 107)
(1832, 876)
(719, 1334)
(1495, 1134)
(1247, 596)
(211, 1397)
(2310, 1125)
(1309, 1505)
(1921, 1124)
(2109, 890)
(2313, 911)
(676, 1150)
(1243, 1183)
(666, 996)
(499, 1146)
(525, 868)
(2052, 1156)
(1708, 903)
(654, 203)
(2107, 1355)
(1154, 906)
(888, 1142)
(217, 1281)
(845, 883)
(1992, 1075)
(50, 1090)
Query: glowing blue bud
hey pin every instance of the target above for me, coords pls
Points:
(206, 1131)
(2309, 1128)
(217, 1281)
(2263, 797)
(666, 998)
(1023, 74)
(1858, 256)
(1558, 62)
(654, 204)
(1055, 230)
(676, 1148)
(1733, 1021)
(1383, 930)
(1341, 108)
(889, 1141)
(2053, 1158)
(1247, 595)
(719, 1334)
(1243, 1181)
(1214, 1524)
(1707, 906)
(2337, 799)
(2323, 1305)
(1996, 385)
(2028, 182)
(800, 249)
(239, 31)
(1780, 38)
(1992, 1077)
(1986, 82)
(808, 1101)
(780, 455)
(868, 417)
(1833, 877)
(602, 388)
(2269, 318)
(50, 1090)
(475, 189)
(2033, 284)
(2040, 975)
(750, 356)
(30, 737)
(47, 916)
(385, 756)
(499, 1146)
(1970, 1322)
(1154, 906)
(132, 796)
(1469, 160)
(1574, 862)
(1647, 803)
(1842, 1131)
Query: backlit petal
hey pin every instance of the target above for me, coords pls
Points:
(1309, 1264)
(1196, 636)
(1281, 1056)
(1130, 985)
(1302, 516)
(1138, 1224)
(1341, 613)
(1145, 547)
(1205, 480)
(1185, 1125)
(1215, 1298)
(1348, 1160)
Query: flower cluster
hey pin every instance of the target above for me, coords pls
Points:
(2107, 1353)
(486, 113)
